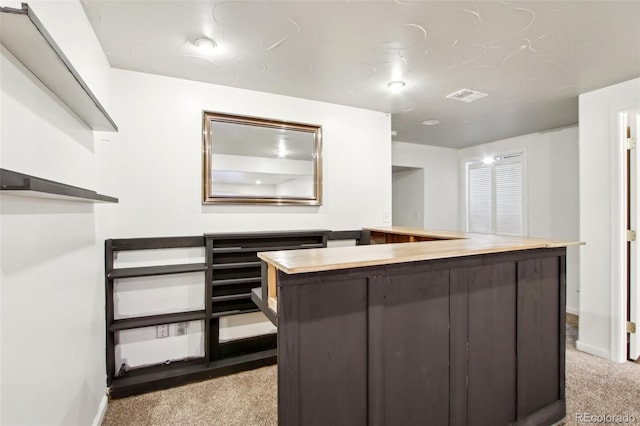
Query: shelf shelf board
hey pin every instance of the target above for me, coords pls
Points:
(230, 281)
(164, 376)
(124, 244)
(256, 297)
(231, 297)
(22, 33)
(217, 266)
(27, 185)
(270, 248)
(145, 271)
(151, 320)
(245, 358)
(234, 312)
(267, 235)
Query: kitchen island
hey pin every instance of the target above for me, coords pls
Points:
(444, 329)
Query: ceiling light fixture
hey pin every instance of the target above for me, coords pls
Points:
(205, 44)
(396, 86)
(258, 182)
(430, 122)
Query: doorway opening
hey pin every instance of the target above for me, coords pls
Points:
(407, 194)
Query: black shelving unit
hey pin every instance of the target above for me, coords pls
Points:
(22, 184)
(143, 379)
(232, 269)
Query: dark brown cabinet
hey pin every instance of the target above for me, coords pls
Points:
(475, 340)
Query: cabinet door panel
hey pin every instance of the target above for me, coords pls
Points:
(492, 342)
(538, 334)
(324, 330)
(458, 338)
(415, 370)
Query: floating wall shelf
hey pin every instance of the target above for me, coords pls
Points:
(22, 184)
(22, 33)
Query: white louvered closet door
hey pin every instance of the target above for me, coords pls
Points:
(496, 197)
(508, 205)
(480, 199)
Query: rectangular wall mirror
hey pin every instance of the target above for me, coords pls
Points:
(250, 160)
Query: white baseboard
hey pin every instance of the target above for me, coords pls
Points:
(584, 347)
(573, 311)
(102, 410)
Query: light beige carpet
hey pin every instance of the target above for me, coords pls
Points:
(599, 387)
(248, 398)
(594, 387)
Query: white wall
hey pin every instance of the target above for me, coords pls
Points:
(154, 165)
(408, 198)
(52, 291)
(552, 190)
(440, 181)
(602, 298)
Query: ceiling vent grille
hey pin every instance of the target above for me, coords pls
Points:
(466, 95)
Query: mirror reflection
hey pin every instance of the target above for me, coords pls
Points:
(251, 160)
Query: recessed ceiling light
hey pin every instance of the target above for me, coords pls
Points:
(205, 44)
(430, 122)
(258, 182)
(396, 86)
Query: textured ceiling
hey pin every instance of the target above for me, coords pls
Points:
(532, 58)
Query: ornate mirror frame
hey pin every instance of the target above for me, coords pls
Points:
(240, 151)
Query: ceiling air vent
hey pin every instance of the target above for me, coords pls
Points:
(466, 95)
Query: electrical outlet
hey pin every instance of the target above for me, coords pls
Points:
(386, 217)
(162, 331)
(181, 328)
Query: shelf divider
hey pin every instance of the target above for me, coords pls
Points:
(218, 250)
(233, 312)
(218, 266)
(180, 372)
(230, 281)
(145, 271)
(226, 298)
(151, 320)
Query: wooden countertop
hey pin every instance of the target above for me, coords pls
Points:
(449, 244)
